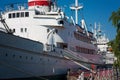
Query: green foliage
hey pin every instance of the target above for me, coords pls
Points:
(115, 18)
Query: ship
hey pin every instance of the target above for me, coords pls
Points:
(40, 41)
(102, 43)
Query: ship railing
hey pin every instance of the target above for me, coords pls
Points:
(71, 54)
(16, 6)
(56, 52)
(80, 57)
(74, 55)
(73, 58)
(63, 52)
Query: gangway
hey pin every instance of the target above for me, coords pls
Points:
(90, 74)
(76, 59)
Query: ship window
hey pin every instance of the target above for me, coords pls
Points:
(56, 31)
(61, 22)
(21, 29)
(25, 29)
(26, 14)
(13, 15)
(48, 30)
(22, 14)
(18, 14)
(9, 15)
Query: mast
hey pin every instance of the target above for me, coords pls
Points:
(76, 7)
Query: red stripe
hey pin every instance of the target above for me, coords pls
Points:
(41, 3)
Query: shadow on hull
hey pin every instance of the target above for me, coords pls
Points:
(57, 77)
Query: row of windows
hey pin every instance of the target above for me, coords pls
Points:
(85, 50)
(19, 56)
(26, 57)
(21, 30)
(18, 14)
(82, 37)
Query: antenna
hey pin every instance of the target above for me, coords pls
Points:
(76, 7)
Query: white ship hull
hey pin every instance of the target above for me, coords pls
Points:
(21, 62)
(43, 41)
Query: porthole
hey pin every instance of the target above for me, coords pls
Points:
(40, 59)
(20, 56)
(56, 61)
(31, 58)
(6, 54)
(26, 57)
(13, 55)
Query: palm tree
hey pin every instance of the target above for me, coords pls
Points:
(115, 18)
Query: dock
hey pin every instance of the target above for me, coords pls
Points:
(100, 74)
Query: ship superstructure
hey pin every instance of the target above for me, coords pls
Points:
(40, 41)
(102, 44)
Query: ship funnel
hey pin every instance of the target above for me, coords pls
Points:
(40, 5)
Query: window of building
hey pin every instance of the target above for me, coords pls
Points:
(26, 14)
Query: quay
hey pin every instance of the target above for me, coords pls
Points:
(100, 74)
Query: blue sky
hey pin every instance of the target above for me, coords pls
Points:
(97, 11)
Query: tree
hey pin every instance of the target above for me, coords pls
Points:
(115, 18)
